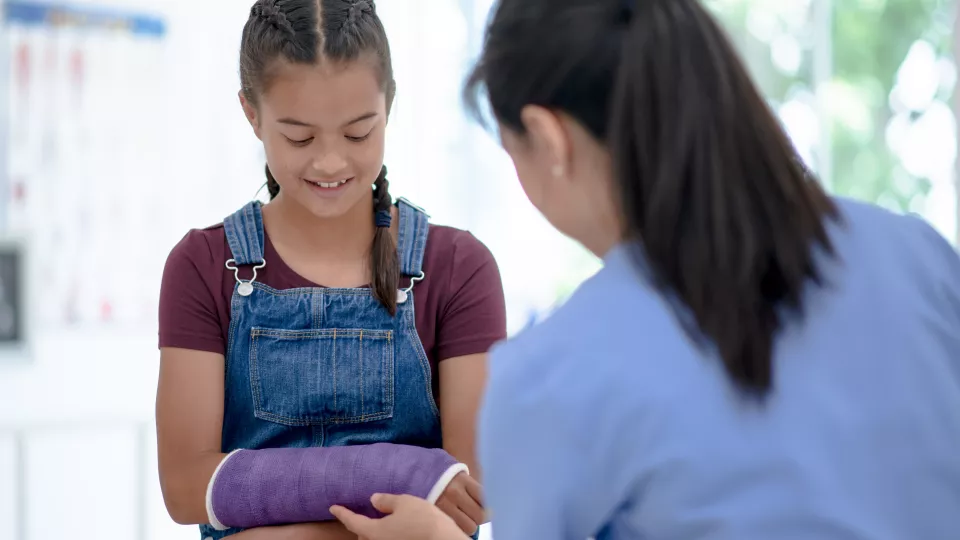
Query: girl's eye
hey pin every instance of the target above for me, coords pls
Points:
(359, 139)
(304, 142)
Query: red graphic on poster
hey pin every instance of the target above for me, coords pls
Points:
(106, 311)
(77, 67)
(22, 67)
(19, 190)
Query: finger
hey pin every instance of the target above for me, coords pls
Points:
(446, 506)
(467, 525)
(386, 503)
(355, 523)
(474, 489)
(470, 507)
(450, 509)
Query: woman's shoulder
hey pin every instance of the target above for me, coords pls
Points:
(604, 325)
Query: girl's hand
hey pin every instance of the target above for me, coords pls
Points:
(463, 502)
(408, 518)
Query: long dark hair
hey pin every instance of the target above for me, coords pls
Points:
(721, 207)
(304, 32)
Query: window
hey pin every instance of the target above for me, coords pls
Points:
(863, 87)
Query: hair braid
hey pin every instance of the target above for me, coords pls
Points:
(384, 263)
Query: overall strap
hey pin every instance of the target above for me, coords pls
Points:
(412, 237)
(244, 230)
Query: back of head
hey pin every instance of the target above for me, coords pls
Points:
(721, 207)
(311, 33)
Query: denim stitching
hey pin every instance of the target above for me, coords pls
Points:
(382, 335)
(422, 357)
(230, 228)
(411, 256)
(334, 356)
(254, 253)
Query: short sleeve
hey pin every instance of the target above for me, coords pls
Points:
(188, 314)
(473, 315)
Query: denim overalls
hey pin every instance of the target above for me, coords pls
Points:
(323, 367)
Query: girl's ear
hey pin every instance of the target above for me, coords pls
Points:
(250, 112)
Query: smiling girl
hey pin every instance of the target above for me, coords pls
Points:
(331, 343)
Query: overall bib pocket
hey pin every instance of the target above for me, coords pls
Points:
(322, 376)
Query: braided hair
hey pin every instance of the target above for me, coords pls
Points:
(306, 32)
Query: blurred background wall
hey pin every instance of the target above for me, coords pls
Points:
(120, 130)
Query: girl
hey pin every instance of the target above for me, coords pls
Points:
(756, 360)
(313, 350)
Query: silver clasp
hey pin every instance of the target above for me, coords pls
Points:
(244, 288)
(404, 294)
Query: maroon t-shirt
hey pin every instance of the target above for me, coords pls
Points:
(459, 305)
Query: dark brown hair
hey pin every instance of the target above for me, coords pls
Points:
(307, 32)
(720, 206)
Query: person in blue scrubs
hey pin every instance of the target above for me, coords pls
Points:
(756, 360)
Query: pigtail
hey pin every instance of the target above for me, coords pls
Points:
(272, 186)
(384, 263)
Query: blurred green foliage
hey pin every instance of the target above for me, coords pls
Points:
(868, 43)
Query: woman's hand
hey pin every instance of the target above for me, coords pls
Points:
(463, 502)
(408, 518)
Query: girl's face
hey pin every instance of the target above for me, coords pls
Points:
(322, 128)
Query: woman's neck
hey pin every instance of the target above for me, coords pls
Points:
(344, 237)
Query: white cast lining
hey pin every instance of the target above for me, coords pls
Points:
(214, 522)
(445, 480)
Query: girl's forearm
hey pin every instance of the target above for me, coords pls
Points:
(258, 488)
